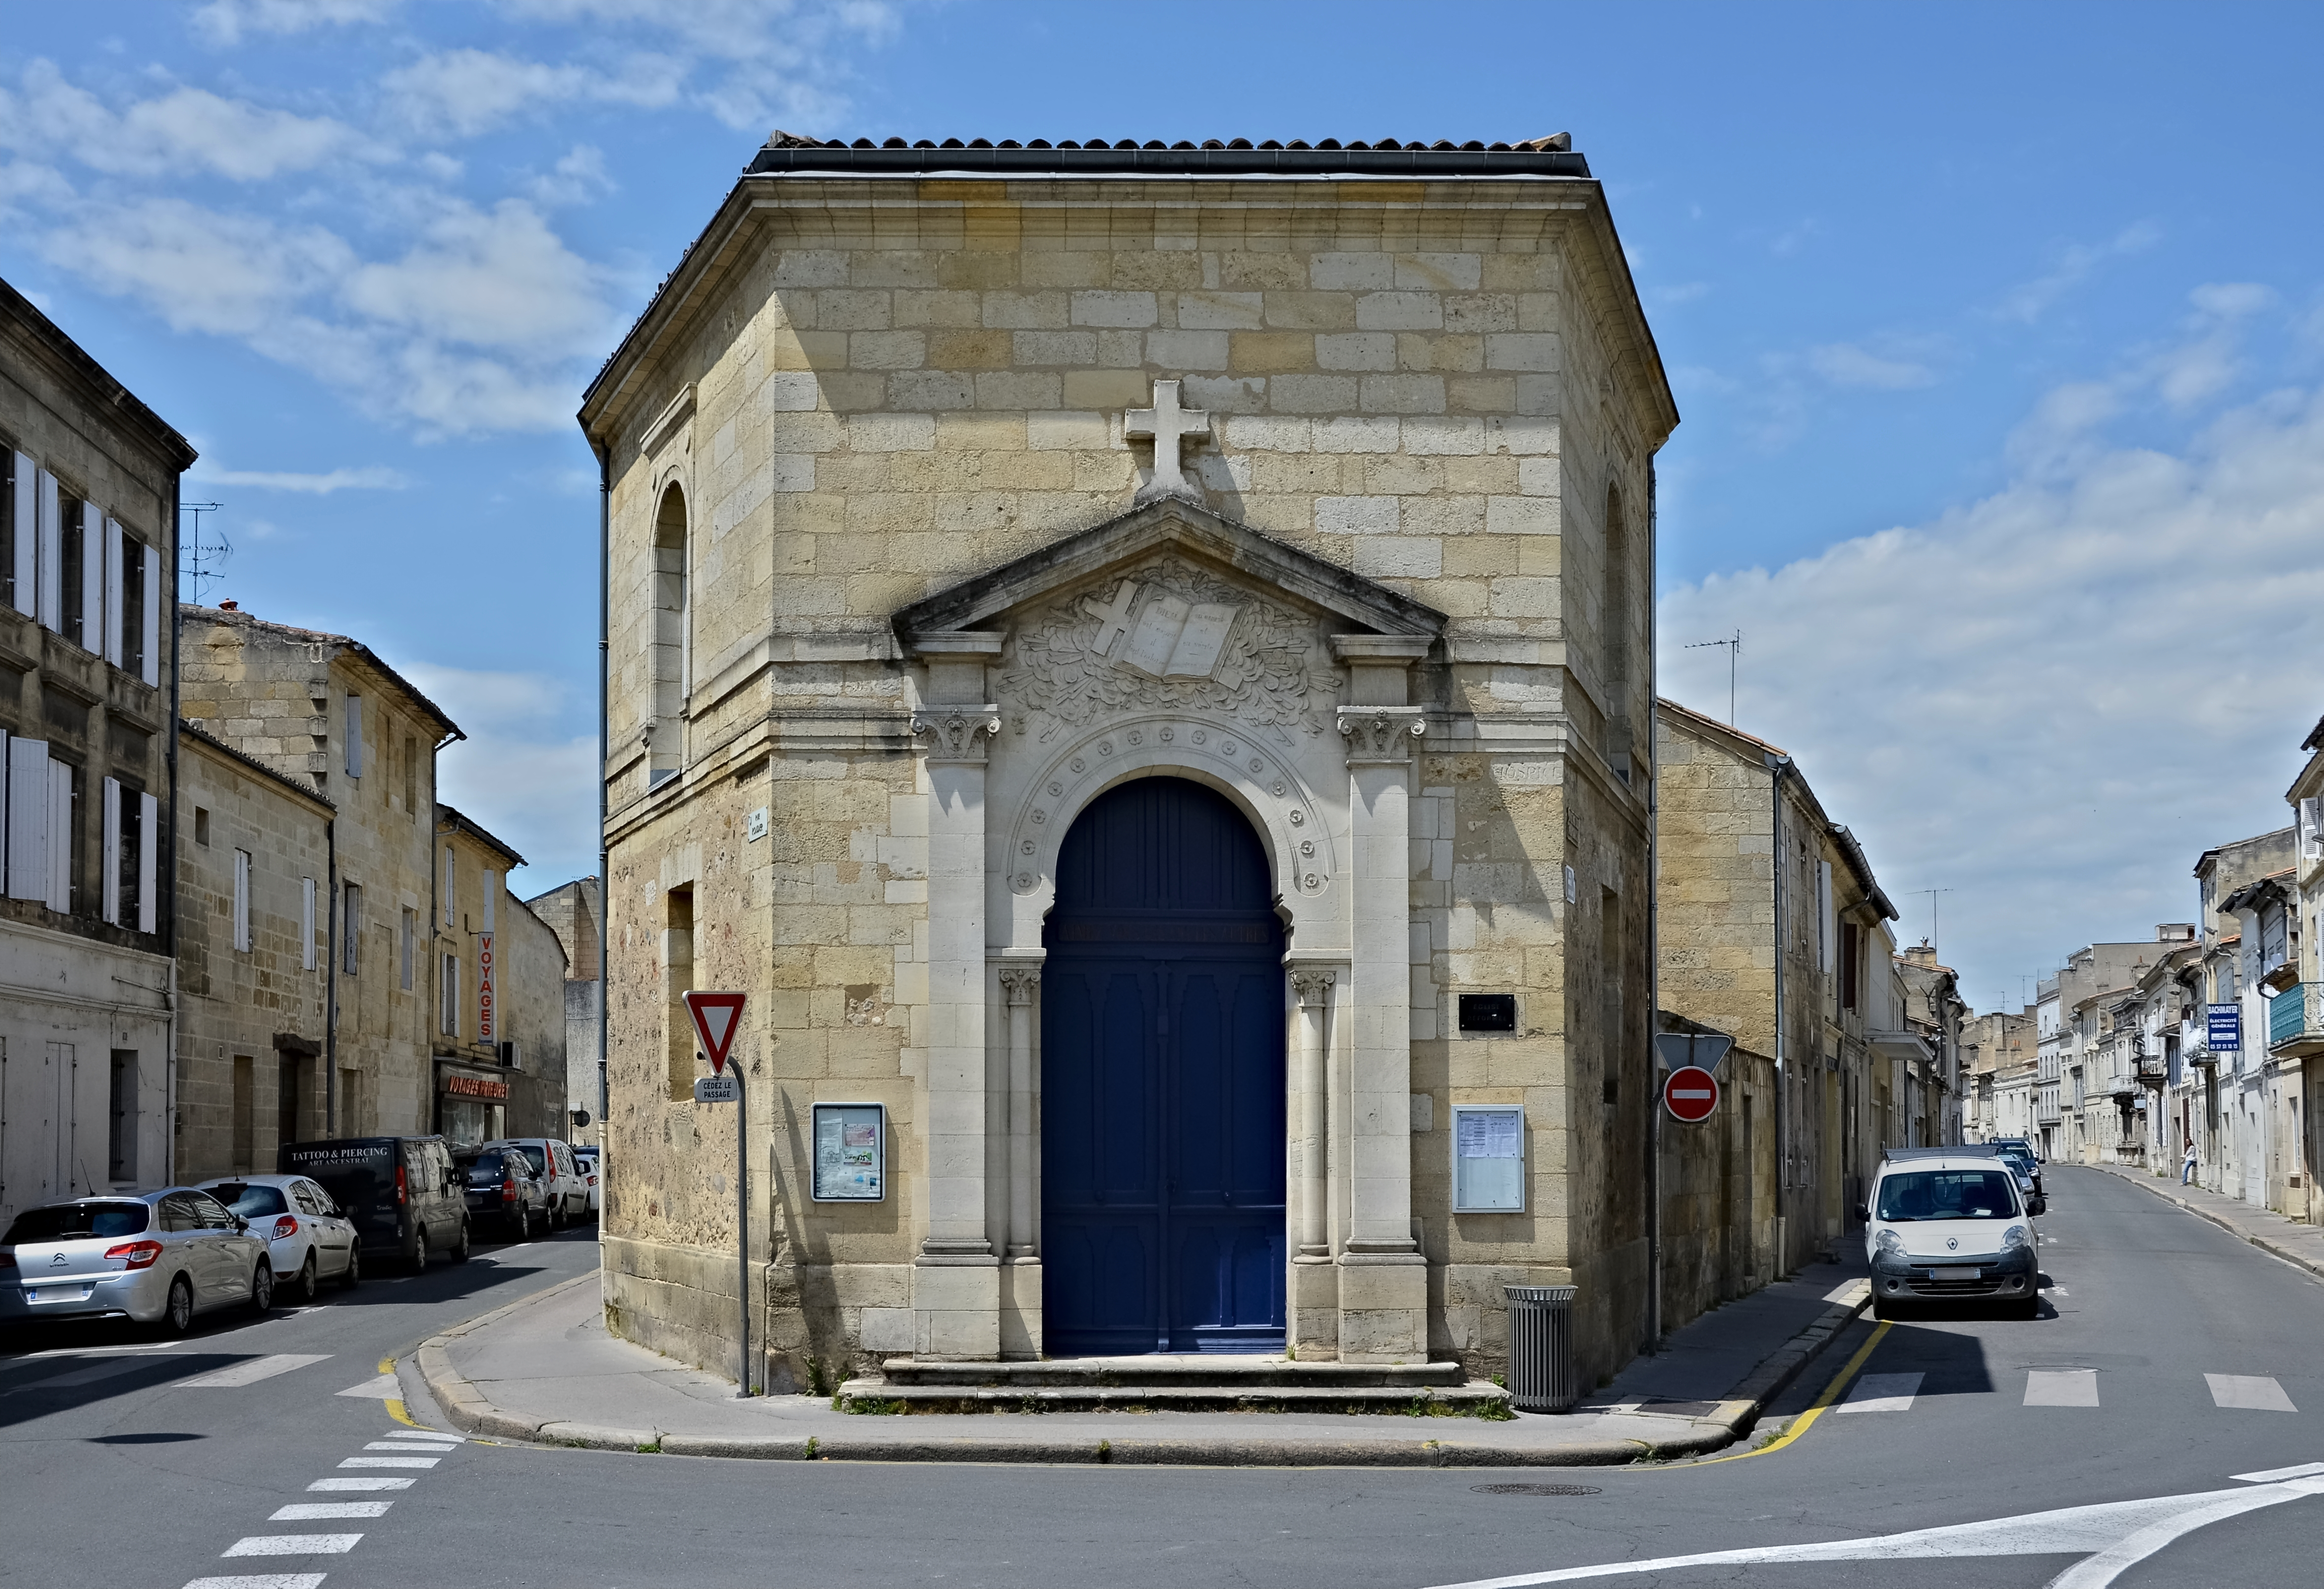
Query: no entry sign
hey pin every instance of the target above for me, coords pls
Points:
(1691, 1094)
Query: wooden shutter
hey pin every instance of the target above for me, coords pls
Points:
(450, 918)
(115, 545)
(306, 924)
(52, 581)
(153, 598)
(61, 835)
(28, 819)
(242, 902)
(149, 850)
(110, 889)
(26, 565)
(91, 594)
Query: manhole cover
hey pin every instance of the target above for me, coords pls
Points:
(1535, 1489)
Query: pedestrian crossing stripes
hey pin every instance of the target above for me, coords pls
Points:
(263, 1581)
(324, 1485)
(1882, 1393)
(2249, 1392)
(312, 1511)
(390, 1461)
(2066, 1387)
(294, 1545)
(2061, 1387)
(239, 1374)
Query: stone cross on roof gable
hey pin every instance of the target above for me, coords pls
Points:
(1167, 424)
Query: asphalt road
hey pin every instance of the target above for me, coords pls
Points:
(2104, 1400)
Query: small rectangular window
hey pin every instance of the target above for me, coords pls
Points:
(15, 503)
(121, 1159)
(350, 928)
(411, 776)
(202, 826)
(354, 736)
(133, 606)
(450, 918)
(242, 902)
(449, 1015)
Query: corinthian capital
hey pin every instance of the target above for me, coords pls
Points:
(1312, 987)
(1380, 733)
(956, 734)
(1022, 984)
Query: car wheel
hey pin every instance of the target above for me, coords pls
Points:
(556, 1212)
(262, 1288)
(523, 1222)
(419, 1250)
(352, 1276)
(460, 1253)
(307, 1287)
(178, 1313)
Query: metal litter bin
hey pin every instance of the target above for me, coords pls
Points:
(1541, 1348)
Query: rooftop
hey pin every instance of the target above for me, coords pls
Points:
(233, 615)
(1552, 156)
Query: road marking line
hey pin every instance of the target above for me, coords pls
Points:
(414, 1432)
(313, 1512)
(85, 1376)
(263, 1581)
(1807, 1420)
(327, 1484)
(382, 1388)
(2061, 1387)
(1882, 1393)
(407, 1446)
(2249, 1393)
(391, 1461)
(294, 1545)
(2276, 1476)
(251, 1373)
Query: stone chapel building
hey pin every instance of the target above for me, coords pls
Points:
(1138, 662)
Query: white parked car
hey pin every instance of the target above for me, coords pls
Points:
(552, 1161)
(154, 1257)
(1952, 1226)
(591, 1163)
(308, 1239)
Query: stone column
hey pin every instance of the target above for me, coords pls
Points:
(1023, 985)
(1312, 988)
(1384, 1278)
(956, 1282)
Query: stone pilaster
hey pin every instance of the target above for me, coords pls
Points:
(1313, 1324)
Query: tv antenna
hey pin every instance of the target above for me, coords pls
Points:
(206, 549)
(1932, 894)
(1734, 645)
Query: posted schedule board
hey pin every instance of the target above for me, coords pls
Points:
(851, 1152)
(1488, 1158)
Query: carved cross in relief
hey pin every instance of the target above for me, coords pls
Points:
(1168, 425)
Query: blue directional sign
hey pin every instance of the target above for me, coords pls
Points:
(2224, 1027)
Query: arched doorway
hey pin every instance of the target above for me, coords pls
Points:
(1162, 1083)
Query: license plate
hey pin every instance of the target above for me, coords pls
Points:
(1956, 1273)
(58, 1294)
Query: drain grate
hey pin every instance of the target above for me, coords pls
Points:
(1534, 1488)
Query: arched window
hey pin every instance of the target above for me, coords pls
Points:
(666, 642)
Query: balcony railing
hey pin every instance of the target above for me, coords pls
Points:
(2295, 1019)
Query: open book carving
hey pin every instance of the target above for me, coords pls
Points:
(1168, 638)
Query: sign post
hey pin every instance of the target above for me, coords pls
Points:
(1691, 1094)
(716, 1018)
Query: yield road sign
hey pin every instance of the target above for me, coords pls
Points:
(1691, 1094)
(1703, 1049)
(716, 1017)
(717, 1089)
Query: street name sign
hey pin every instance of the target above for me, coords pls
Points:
(716, 1018)
(1691, 1094)
(717, 1089)
(1701, 1049)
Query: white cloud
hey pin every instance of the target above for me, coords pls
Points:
(1844, 364)
(2053, 699)
(226, 21)
(470, 91)
(578, 175)
(520, 777)
(2028, 301)
(186, 127)
(373, 477)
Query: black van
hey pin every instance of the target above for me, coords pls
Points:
(405, 1196)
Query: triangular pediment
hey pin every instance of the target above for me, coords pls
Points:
(1233, 550)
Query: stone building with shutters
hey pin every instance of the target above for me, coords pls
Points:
(499, 1037)
(88, 539)
(1138, 663)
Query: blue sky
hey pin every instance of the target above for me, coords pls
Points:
(1997, 331)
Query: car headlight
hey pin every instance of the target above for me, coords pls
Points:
(1890, 1243)
(2014, 1237)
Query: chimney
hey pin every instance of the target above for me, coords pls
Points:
(2175, 932)
(1922, 954)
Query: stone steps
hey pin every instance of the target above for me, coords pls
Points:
(1167, 1382)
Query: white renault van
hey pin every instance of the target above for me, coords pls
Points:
(1950, 1225)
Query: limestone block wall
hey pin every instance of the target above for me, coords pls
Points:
(249, 1019)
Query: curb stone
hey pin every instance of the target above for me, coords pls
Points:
(2290, 1255)
(466, 1408)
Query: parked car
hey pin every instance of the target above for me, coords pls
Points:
(402, 1194)
(157, 1257)
(502, 1190)
(589, 1161)
(1949, 1225)
(2022, 1149)
(553, 1162)
(307, 1238)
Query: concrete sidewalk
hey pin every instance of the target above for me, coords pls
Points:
(544, 1369)
(2288, 1239)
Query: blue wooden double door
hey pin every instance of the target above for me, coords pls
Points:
(1162, 1081)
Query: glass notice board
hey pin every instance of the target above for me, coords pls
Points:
(851, 1152)
(1488, 1158)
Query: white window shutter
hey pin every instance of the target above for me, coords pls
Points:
(155, 598)
(2311, 828)
(4, 738)
(354, 736)
(242, 902)
(149, 855)
(115, 545)
(450, 918)
(306, 924)
(61, 836)
(91, 594)
(1827, 949)
(27, 565)
(28, 819)
(52, 581)
(109, 891)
